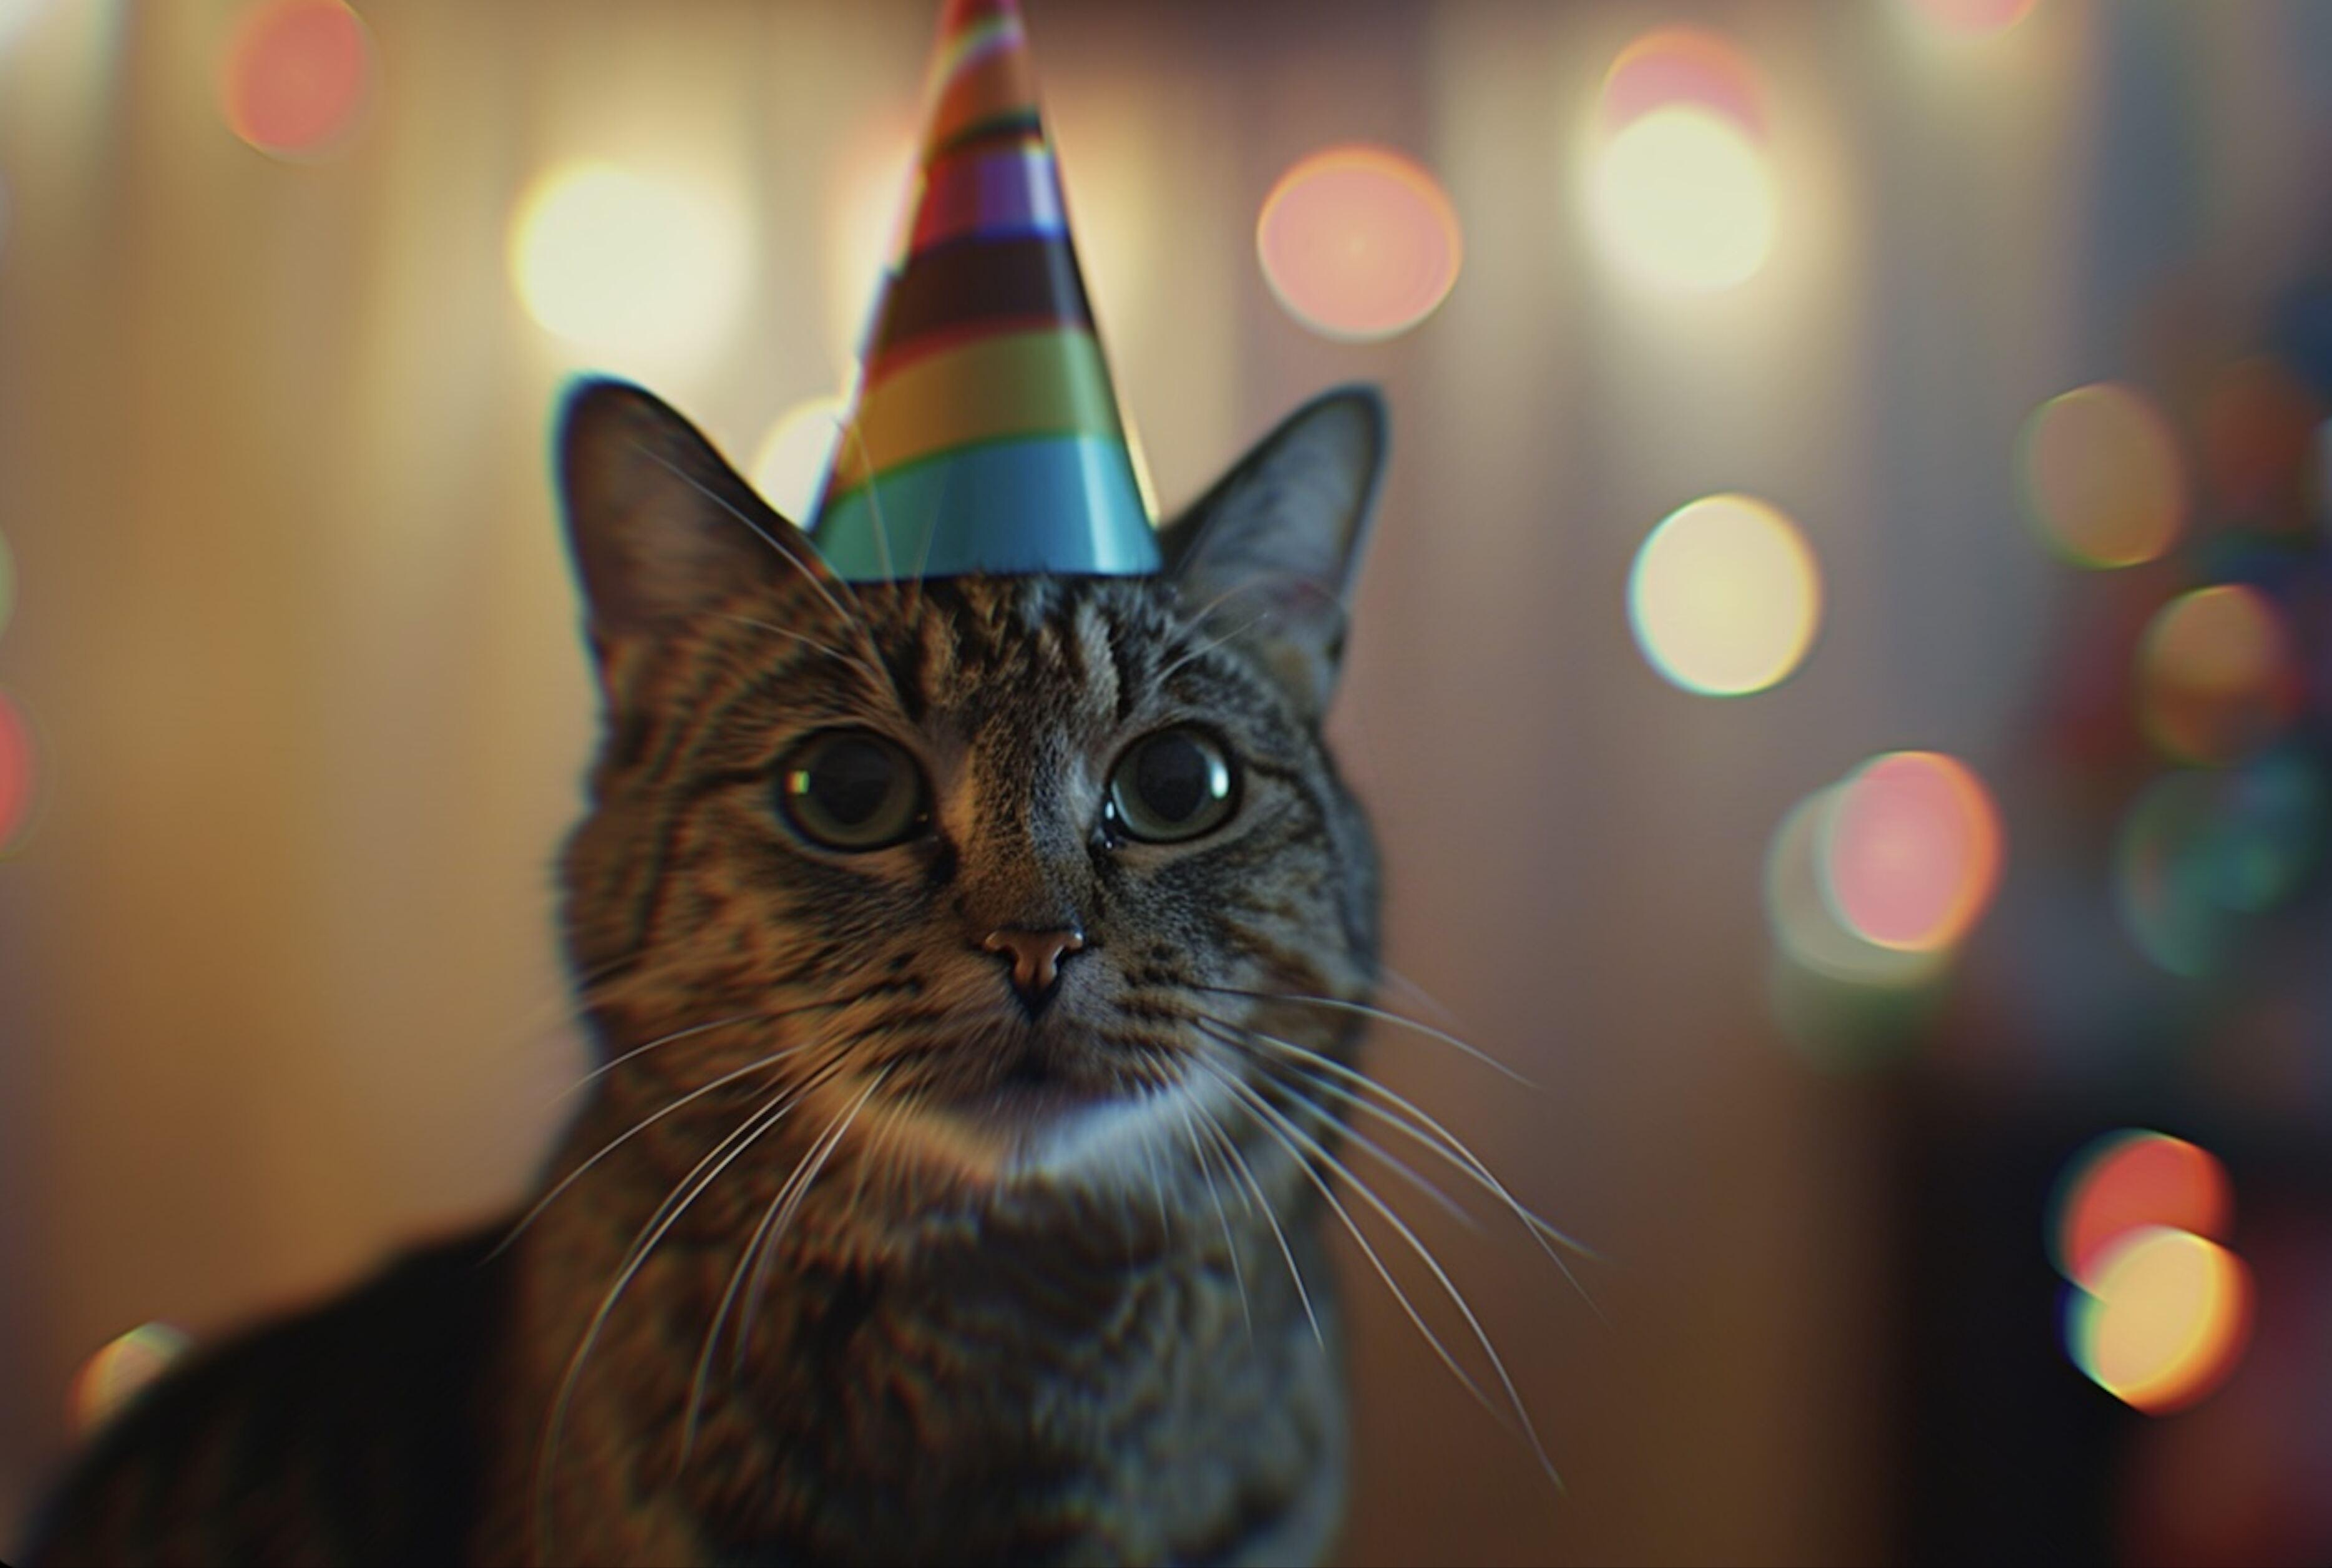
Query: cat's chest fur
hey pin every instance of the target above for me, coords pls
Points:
(1006, 1400)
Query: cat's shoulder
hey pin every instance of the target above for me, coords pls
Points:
(348, 1431)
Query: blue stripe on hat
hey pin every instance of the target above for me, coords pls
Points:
(1046, 504)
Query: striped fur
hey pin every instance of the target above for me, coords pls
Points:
(979, 1327)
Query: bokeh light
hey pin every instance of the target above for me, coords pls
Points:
(19, 781)
(2101, 476)
(2164, 1321)
(1724, 596)
(1680, 193)
(2216, 678)
(1911, 851)
(1683, 65)
(1807, 929)
(2127, 1181)
(1683, 197)
(298, 77)
(1975, 18)
(789, 466)
(1359, 242)
(610, 259)
(112, 1377)
(2201, 852)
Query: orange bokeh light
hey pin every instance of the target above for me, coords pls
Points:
(2102, 477)
(1359, 242)
(1912, 851)
(1672, 65)
(2127, 1180)
(299, 75)
(2216, 674)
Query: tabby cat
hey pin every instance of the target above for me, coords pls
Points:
(958, 953)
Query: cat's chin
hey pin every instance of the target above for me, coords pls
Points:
(1052, 1130)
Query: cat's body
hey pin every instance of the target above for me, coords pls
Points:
(949, 1190)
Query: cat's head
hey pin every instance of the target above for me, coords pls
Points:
(1000, 884)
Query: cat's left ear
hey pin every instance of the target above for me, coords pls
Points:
(1275, 548)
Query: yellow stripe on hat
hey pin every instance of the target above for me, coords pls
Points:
(1044, 383)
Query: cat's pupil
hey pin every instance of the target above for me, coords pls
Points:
(851, 779)
(1177, 781)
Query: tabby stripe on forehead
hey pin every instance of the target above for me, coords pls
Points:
(1121, 637)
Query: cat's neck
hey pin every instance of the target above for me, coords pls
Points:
(1051, 1358)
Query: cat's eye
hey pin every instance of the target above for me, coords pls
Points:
(1174, 784)
(852, 789)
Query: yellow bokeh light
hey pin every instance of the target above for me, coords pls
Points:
(789, 467)
(2101, 476)
(611, 260)
(1724, 597)
(2164, 1320)
(1683, 197)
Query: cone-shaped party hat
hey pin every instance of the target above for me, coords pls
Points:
(984, 436)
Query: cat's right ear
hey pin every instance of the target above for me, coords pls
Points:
(1275, 548)
(662, 529)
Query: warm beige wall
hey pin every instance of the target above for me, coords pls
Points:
(278, 984)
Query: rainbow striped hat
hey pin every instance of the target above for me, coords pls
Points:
(984, 434)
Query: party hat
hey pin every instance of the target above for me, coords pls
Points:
(984, 434)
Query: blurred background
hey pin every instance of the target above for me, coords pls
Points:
(1844, 680)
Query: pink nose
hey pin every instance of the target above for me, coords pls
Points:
(1036, 959)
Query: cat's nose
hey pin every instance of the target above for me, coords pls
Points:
(1036, 957)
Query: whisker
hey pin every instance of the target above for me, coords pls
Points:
(1448, 1014)
(1214, 1195)
(1424, 1254)
(760, 1282)
(788, 1194)
(1229, 1147)
(1384, 1156)
(1279, 1128)
(1364, 1010)
(576, 1174)
(604, 1069)
(1157, 1187)
(1450, 1146)
(668, 1213)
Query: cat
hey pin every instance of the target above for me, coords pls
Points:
(966, 961)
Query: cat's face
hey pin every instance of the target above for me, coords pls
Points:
(990, 882)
